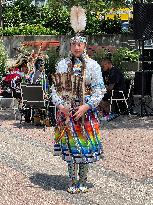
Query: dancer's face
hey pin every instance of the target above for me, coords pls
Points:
(77, 48)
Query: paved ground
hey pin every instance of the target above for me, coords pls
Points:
(31, 175)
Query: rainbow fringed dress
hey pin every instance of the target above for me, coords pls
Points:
(78, 141)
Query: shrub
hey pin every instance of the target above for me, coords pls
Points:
(111, 26)
(3, 57)
(29, 30)
(101, 53)
(118, 56)
(53, 57)
(124, 54)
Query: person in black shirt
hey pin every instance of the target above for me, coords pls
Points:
(113, 80)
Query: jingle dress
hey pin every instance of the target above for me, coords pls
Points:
(78, 141)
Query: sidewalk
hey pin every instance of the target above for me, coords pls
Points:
(17, 189)
(31, 175)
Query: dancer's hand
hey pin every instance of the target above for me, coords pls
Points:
(64, 110)
(82, 109)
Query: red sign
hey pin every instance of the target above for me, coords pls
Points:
(43, 45)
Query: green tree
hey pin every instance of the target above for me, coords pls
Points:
(11, 16)
(56, 18)
(28, 12)
(3, 57)
(90, 5)
(21, 12)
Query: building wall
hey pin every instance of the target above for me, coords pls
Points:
(116, 41)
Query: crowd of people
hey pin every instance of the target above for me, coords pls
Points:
(28, 70)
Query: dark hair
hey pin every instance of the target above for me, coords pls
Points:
(24, 63)
(108, 60)
(72, 58)
(38, 63)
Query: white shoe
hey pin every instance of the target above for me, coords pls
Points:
(72, 190)
(82, 188)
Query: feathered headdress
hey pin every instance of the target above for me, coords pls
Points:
(78, 22)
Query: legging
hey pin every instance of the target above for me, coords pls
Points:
(73, 172)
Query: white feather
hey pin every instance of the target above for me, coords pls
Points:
(78, 18)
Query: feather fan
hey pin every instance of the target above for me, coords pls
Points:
(78, 18)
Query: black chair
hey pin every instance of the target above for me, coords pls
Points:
(33, 95)
(32, 99)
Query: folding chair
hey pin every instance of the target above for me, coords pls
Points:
(123, 98)
(7, 101)
(32, 98)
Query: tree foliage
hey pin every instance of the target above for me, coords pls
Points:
(57, 18)
(3, 57)
(89, 5)
(23, 16)
(21, 12)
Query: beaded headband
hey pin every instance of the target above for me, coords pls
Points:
(78, 39)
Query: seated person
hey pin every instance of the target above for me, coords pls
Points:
(39, 72)
(113, 80)
(38, 77)
(13, 77)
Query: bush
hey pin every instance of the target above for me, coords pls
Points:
(28, 30)
(50, 63)
(101, 53)
(53, 57)
(111, 26)
(124, 54)
(1, 31)
(117, 57)
(3, 57)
